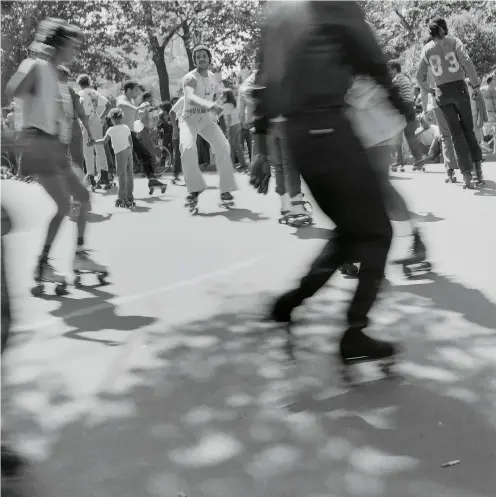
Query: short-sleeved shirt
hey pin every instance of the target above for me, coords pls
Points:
(205, 87)
(447, 60)
(232, 112)
(119, 136)
(129, 110)
(427, 136)
(93, 102)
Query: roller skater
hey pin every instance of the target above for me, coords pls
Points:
(48, 115)
(200, 93)
(446, 59)
(333, 164)
(192, 202)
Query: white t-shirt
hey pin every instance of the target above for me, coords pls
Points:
(232, 112)
(205, 87)
(119, 136)
(427, 136)
(93, 102)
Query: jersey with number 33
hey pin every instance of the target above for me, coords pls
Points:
(448, 62)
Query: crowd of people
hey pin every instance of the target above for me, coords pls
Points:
(303, 112)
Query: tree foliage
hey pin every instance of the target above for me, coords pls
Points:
(402, 28)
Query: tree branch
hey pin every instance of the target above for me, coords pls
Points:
(405, 23)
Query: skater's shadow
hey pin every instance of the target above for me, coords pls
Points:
(313, 233)
(94, 217)
(96, 314)
(235, 214)
(138, 209)
(426, 218)
(487, 190)
(391, 177)
(452, 296)
(152, 200)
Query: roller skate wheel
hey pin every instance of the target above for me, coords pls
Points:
(37, 291)
(426, 266)
(194, 211)
(77, 281)
(150, 191)
(454, 180)
(61, 289)
(387, 368)
(101, 278)
(163, 190)
(447, 180)
(402, 169)
(407, 272)
(394, 169)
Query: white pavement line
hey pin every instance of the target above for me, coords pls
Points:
(137, 296)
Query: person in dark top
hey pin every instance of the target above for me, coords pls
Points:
(310, 53)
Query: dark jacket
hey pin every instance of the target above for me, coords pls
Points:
(310, 53)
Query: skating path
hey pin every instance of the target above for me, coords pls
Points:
(165, 382)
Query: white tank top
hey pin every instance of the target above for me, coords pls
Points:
(41, 109)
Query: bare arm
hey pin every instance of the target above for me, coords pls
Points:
(467, 64)
(422, 71)
(173, 120)
(107, 109)
(102, 141)
(23, 82)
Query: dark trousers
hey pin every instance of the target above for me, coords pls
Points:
(203, 151)
(454, 102)
(413, 143)
(176, 157)
(336, 169)
(144, 156)
(246, 138)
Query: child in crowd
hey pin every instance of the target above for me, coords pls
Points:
(120, 137)
(233, 125)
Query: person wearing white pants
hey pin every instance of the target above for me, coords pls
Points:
(96, 108)
(200, 91)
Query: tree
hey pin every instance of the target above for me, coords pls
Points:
(21, 18)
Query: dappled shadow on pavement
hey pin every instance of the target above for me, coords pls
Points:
(214, 408)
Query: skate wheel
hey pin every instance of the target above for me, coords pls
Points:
(407, 272)
(163, 190)
(426, 266)
(387, 368)
(194, 211)
(150, 191)
(454, 180)
(77, 282)
(423, 169)
(61, 289)
(37, 291)
(394, 169)
(101, 278)
(447, 180)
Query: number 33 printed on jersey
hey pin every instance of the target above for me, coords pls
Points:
(436, 63)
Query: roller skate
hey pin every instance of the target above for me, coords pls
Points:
(478, 174)
(467, 179)
(129, 203)
(349, 270)
(89, 180)
(356, 348)
(226, 200)
(414, 261)
(155, 184)
(300, 213)
(192, 202)
(176, 180)
(83, 263)
(397, 165)
(45, 273)
(120, 202)
(419, 165)
(285, 208)
(103, 182)
(451, 177)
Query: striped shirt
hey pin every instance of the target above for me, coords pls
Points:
(405, 87)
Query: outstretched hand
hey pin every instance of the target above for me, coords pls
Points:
(260, 174)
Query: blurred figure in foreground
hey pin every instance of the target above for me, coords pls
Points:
(310, 53)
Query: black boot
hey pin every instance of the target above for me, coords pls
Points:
(478, 173)
(356, 347)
